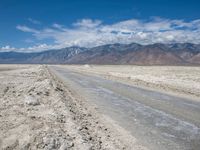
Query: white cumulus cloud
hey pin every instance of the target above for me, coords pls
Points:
(89, 33)
(34, 21)
(26, 29)
(7, 48)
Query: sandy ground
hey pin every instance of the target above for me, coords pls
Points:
(179, 80)
(38, 112)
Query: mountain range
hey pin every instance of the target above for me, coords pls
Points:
(154, 54)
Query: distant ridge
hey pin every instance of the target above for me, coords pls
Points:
(154, 54)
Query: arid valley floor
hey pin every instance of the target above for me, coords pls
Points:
(99, 107)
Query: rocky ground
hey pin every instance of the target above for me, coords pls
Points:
(38, 112)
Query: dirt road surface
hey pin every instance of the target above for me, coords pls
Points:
(156, 120)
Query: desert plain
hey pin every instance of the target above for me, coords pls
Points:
(38, 110)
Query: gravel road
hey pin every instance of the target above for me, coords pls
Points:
(37, 112)
(156, 120)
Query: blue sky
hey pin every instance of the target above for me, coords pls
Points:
(34, 25)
